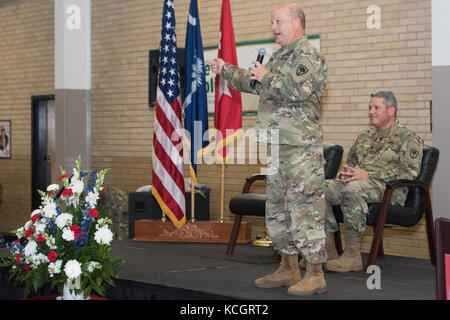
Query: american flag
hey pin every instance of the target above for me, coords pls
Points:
(168, 163)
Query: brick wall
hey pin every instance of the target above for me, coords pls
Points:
(397, 56)
(26, 69)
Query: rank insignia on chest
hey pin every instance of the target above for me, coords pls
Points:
(301, 70)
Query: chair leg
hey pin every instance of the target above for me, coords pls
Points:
(430, 227)
(379, 228)
(234, 234)
(380, 253)
(376, 245)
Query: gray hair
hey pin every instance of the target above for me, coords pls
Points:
(389, 99)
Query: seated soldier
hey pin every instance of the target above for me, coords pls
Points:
(115, 202)
(385, 152)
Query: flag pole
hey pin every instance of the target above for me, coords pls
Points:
(222, 192)
(192, 200)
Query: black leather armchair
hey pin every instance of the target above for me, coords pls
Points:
(254, 204)
(417, 203)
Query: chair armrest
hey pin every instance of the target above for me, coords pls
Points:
(405, 183)
(250, 180)
(395, 184)
(402, 183)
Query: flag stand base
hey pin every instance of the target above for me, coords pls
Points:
(198, 231)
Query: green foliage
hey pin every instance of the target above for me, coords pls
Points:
(66, 233)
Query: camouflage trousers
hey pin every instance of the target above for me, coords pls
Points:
(116, 204)
(295, 206)
(352, 198)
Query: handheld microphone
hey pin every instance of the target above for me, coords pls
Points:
(259, 58)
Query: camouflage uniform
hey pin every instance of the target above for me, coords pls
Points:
(290, 95)
(387, 155)
(116, 204)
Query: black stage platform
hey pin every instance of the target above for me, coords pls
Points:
(192, 271)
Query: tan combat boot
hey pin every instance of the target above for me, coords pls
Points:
(350, 260)
(287, 274)
(330, 246)
(313, 282)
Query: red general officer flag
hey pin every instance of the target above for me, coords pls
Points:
(228, 109)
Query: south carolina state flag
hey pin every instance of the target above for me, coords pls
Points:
(228, 109)
(195, 102)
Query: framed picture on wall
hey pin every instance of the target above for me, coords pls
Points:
(5, 139)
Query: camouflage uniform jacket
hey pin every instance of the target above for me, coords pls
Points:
(290, 93)
(387, 155)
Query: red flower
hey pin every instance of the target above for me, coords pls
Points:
(63, 176)
(50, 193)
(27, 267)
(40, 238)
(76, 230)
(93, 213)
(35, 217)
(29, 232)
(18, 256)
(67, 192)
(52, 256)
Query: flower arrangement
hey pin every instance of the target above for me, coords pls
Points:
(67, 240)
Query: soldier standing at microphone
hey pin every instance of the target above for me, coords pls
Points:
(290, 87)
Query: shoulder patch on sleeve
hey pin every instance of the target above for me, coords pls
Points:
(302, 70)
(413, 153)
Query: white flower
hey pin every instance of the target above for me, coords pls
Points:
(38, 211)
(37, 259)
(40, 227)
(44, 220)
(63, 220)
(54, 268)
(28, 224)
(103, 235)
(20, 232)
(68, 234)
(51, 242)
(49, 210)
(72, 269)
(103, 222)
(92, 198)
(31, 248)
(93, 265)
(100, 180)
(53, 187)
(77, 186)
(76, 175)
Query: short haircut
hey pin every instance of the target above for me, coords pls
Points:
(389, 99)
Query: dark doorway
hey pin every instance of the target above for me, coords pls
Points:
(43, 145)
